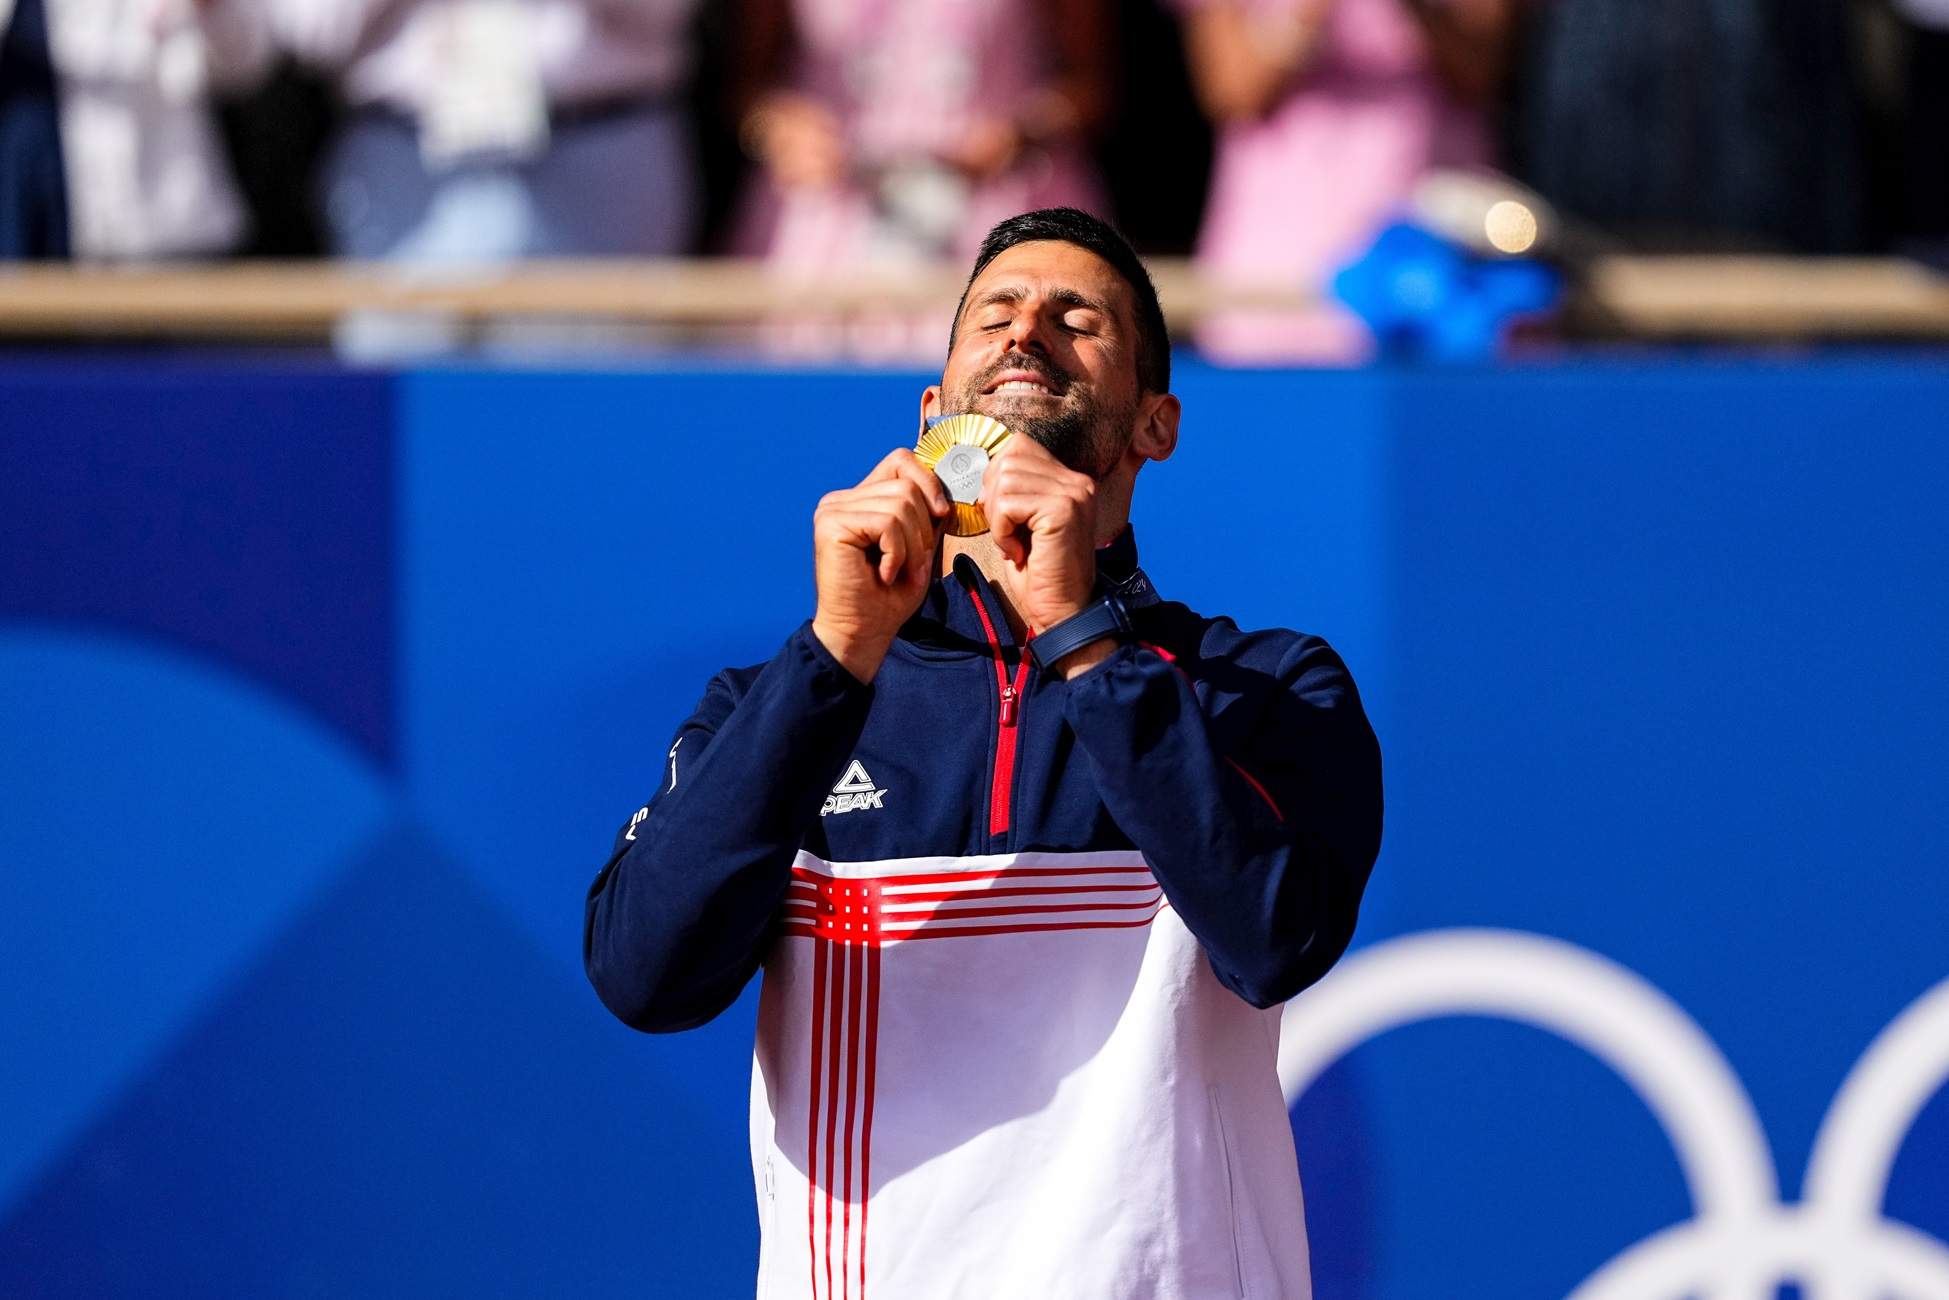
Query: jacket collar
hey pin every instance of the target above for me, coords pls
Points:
(1116, 559)
(947, 618)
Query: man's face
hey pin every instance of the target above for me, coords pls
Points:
(1047, 345)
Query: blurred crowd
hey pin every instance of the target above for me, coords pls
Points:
(1267, 138)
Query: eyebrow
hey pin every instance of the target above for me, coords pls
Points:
(1062, 295)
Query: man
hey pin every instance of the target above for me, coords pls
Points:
(1025, 925)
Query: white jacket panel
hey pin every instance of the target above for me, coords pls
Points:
(1014, 1075)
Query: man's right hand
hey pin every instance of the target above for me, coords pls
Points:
(873, 559)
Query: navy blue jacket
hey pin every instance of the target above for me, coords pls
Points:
(1239, 763)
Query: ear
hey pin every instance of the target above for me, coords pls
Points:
(1156, 435)
(930, 403)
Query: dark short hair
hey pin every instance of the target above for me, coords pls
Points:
(1074, 226)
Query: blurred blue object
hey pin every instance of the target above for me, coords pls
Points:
(1427, 299)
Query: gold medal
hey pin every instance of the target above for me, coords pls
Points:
(957, 449)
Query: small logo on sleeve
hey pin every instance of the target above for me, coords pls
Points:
(854, 792)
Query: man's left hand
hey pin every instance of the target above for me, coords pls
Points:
(1042, 515)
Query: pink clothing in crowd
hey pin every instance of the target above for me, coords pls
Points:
(907, 79)
(1300, 192)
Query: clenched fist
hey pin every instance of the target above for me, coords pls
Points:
(1042, 515)
(873, 559)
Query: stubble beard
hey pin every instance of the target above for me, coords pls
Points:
(1084, 435)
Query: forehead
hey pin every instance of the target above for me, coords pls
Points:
(1046, 266)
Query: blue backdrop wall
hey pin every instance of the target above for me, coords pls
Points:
(322, 695)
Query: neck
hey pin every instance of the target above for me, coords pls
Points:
(1112, 513)
(989, 559)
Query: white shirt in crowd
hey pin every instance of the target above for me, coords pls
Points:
(399, 53)
(146, 172)
(147, 175)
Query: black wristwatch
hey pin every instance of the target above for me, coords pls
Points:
(1107, 617)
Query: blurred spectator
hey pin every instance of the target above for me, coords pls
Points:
(1327, 113)
(483, 130)
(1921, 216)
(1694, 124)
(33, 193)
(107, 145)
(275, 132)
(1155, 150)
(901, 130)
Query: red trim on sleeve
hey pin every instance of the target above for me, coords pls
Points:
(1253, 781)
(1250, 780)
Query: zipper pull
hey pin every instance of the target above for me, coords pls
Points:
(1008, 706)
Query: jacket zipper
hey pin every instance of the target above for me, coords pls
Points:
(1008, 697)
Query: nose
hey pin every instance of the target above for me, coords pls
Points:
(1027, 332)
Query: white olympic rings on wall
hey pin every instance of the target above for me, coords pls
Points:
(1743, 1242)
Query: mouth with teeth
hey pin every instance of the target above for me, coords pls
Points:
(1023, 380)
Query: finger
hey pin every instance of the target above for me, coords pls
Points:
(1009, 498)
(1025, 508)
(907, 531)
(1016, 481)
(901, 464)
(999, 508)
(922, 532)
(1027, 450)
(921, 570)
(894, 548)
(1038, 476)
(1009, 519)
(894, 534)
(909, 521)
(931, 487)
(917, 484)
(903, 497)
(1059, 492)
(858, 529)
(859, 524)
(890, 465)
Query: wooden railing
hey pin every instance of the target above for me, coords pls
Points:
(1657, 298)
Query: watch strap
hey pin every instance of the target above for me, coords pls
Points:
(1106, 617)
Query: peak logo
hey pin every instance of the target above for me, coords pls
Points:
(854, 792)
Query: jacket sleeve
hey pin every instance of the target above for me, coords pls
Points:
(1263, 853)
(677, 920)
